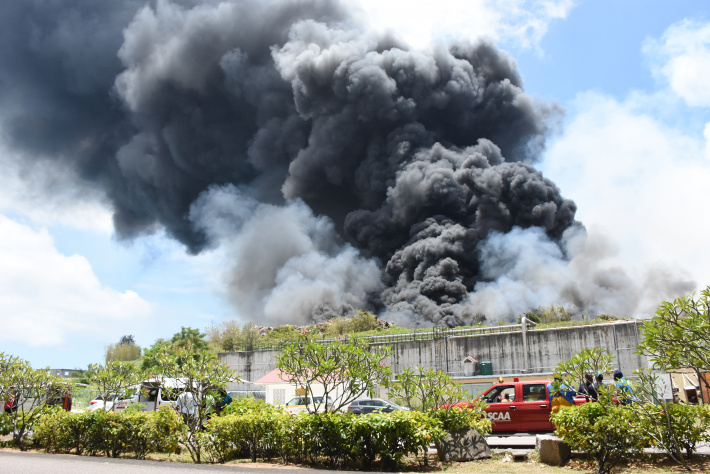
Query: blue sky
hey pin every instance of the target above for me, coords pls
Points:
(632, 152)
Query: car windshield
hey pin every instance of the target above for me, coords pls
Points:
(296, 401)
(500, 394)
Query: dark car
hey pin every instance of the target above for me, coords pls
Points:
(370, 405)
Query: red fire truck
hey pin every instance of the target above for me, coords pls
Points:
(520, 406)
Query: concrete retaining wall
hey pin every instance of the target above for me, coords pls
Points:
(505, 350)
(250, 366)
(546, 348)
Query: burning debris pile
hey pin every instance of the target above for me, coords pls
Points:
(340, 170)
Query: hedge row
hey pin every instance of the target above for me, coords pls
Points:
(611, 434)
(109, 432)
(337, 439)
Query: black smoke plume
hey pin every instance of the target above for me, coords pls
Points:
(341, 170)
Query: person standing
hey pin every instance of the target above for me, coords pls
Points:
(12, 401)
(563, 397)
(599, 382)
(223, 399)
(587, 387)
(226, 399)
(187, 406)
(626, 393)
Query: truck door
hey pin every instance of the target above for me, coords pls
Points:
(502, 407)
(533, 410)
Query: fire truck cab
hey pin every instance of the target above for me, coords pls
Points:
(520, 406)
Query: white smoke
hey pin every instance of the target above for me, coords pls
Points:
(287, 264)
(586, 278)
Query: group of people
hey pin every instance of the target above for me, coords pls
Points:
(214, 404)
(589, 388)
(63, 399)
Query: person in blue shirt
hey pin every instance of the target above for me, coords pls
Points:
(563, 397)
(627, 394)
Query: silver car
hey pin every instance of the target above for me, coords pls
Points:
(370, 405)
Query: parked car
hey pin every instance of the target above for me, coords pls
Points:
(301, 403)
(151, 394)
(370, 405)
(99, 403)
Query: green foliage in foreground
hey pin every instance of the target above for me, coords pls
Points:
(675, 427)
(203, 376)
(436, 393)
(251, 430)
(672, 427)
(109, 433)
(677, 337)
(340, 439)
(342, 370)
(609, 434)
(32, 391)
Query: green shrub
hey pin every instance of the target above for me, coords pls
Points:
(110, 433)
(608, 434)
(230, 336)
(86, 432)
(337, 438)
(391, 436)
(552, 314)
(5, 424)
(166, 424)
(50, 432)
(123, 352)
(250, 434)
(280, 334)
(676, 427)
(242, 405)
(456, 418)
(223, 441)
(692, 424)
(297, 431)
(147, 432)
(362, 321)
(331, 437)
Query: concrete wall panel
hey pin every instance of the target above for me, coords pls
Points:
(505, 350)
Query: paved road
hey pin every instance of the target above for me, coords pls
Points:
(40, 463)
(516, 441)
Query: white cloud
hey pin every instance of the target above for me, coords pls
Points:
(45, 195)
(524, 22)
(48, 297)
(682, 58)
(637, 179)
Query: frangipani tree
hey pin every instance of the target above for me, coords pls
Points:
(343, 370)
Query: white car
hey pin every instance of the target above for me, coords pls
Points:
(303, 403)
(98, 403)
